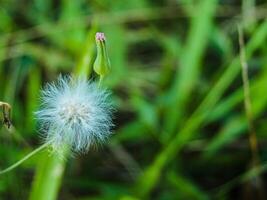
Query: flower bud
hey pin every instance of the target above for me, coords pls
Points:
(102, 63)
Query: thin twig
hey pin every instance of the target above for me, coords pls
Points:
(257, 168)
(247, 100)
(24, 159)
(248, 109)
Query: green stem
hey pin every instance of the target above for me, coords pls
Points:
(48, 177)
(101, 77)
(24, 159)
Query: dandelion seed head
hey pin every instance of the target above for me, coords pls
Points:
(76, 113)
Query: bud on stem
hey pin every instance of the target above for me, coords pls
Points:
(102, 63)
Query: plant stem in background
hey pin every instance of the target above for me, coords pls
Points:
(249, 114)
(245, 177)
(48, 176)
(189, 66)
(150, 177)
(247, 100)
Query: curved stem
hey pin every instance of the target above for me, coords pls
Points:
(24, 159)
(48, 176)
(101, 77)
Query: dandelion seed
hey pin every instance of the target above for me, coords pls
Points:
(76, 113)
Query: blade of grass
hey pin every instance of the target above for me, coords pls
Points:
(237, 125)
(189, 66)
(248, 175)
(227, 104)
(186, 187)
(247, 102)
(150, 177)
(233, 128)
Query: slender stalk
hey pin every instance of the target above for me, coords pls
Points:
(48, 176)
(189, 67)
(247, 101)
(100, 80)
(24, 159)
(249, 114)
(223, 189)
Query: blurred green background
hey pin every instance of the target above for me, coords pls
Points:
(181, 130)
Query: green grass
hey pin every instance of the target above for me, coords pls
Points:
(181, 129)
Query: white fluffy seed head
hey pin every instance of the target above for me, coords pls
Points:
(76, 113)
